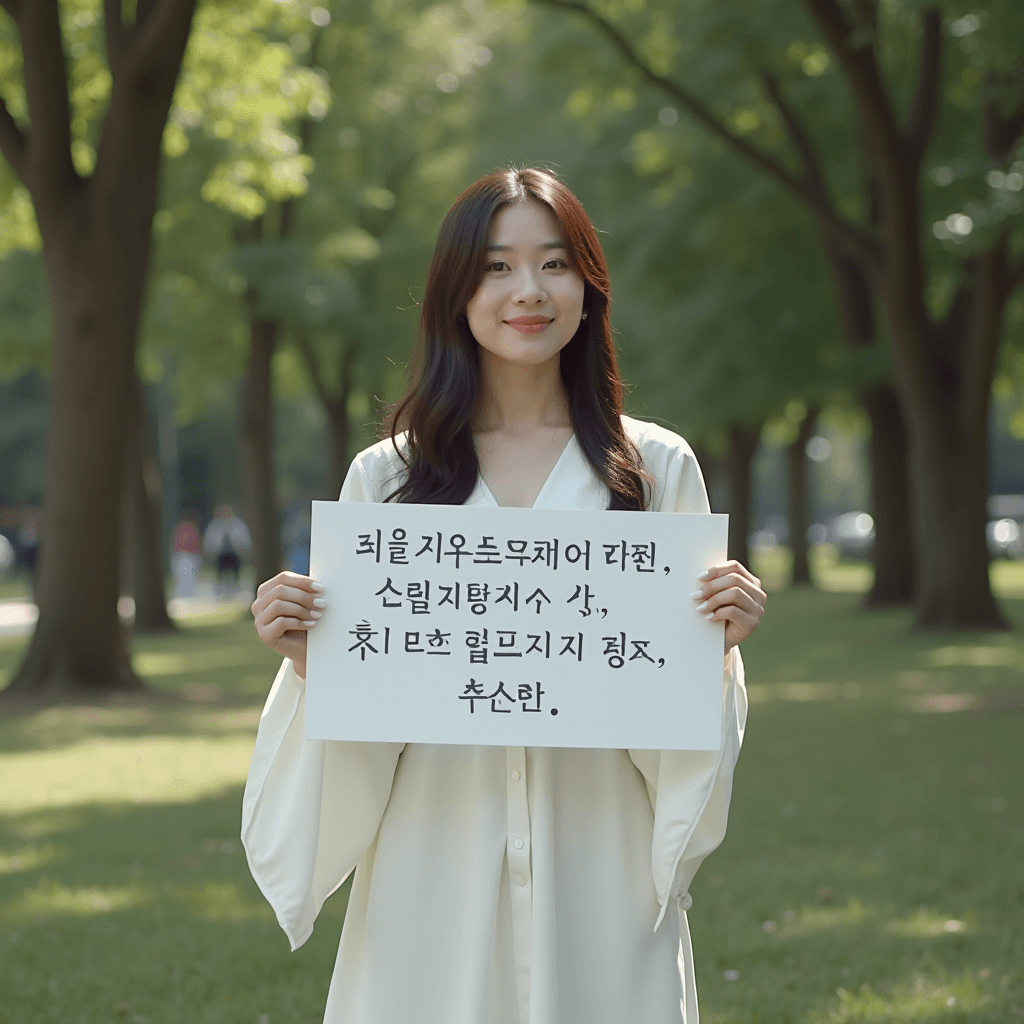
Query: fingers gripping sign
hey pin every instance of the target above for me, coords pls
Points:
(732, 594)
(286, 607)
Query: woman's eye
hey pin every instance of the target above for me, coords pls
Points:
(552, 264)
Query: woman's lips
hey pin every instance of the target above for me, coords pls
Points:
(529, 325)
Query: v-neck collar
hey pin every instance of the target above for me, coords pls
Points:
(486, 491)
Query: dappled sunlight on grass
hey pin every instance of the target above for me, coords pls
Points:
(29, 858)
(51, 728)
(805, 692)
(914, 1001)
(205, 651)
(225, 901)
(146, 769)
(209, 679)
(41, 822)
(812, 920)
(183, 663)
(926, 923)
(974, 656)
(1007, 578)
(832, 574)
(52, 899)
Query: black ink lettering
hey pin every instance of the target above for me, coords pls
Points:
(369, 544)
(398, 548)
(616, 647)
(389, 588)
(573, 553)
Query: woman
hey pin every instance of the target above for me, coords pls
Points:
(501, 885)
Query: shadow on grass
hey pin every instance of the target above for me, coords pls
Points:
(210, 678)
(120, 912)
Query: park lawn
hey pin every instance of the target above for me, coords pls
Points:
(873, 871)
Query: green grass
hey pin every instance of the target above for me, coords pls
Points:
(14, 587)
(873, 871)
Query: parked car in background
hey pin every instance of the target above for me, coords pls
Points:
(1003, 533)
(8, 556)
(852, 533)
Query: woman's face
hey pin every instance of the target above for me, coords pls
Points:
(530, 301)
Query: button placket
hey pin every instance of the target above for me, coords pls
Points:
(518, 851)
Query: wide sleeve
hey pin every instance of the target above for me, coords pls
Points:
(690, 790)
(311, 808)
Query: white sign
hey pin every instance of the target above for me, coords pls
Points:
(515, 627)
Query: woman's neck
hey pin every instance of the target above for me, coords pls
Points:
(517, 399)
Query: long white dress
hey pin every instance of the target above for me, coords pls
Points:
(496, 885)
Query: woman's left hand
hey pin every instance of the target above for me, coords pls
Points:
(732, 594)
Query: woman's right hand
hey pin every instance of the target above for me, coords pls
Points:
(285, 608)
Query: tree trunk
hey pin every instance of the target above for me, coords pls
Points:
(97, 236)
(743, 442)
(256, 430)
(951, 487)
(797, 498)
(711, 467)
(893, 554)
(339, 440)
(95, 268)
(144, 525)
(947, 398)
(334, 399)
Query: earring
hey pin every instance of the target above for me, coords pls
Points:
(586, 313)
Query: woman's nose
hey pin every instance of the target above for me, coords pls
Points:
(528, 287)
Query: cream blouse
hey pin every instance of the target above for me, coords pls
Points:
(496, 885)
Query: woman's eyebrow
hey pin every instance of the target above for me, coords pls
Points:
(544, 245)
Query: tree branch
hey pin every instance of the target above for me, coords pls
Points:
(159, 27)
(867, 16)
(1002, 131)
(855, 52)
(925, 105)
(981, 348)
(848, 235)
(831, 20)
(113, 28)
(313, 367)
(12, 7)
(814, 177)
(46, 88)
(893, 170)
(346, 366)
(13, 142)
(1015, 276)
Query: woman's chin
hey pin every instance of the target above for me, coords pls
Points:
(527, 352)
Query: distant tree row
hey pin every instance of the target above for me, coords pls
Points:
(803, 201)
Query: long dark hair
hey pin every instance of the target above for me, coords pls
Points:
(444, 381)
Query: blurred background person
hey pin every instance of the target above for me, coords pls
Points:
(227, 542)
(186, 559)
(28, 546)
